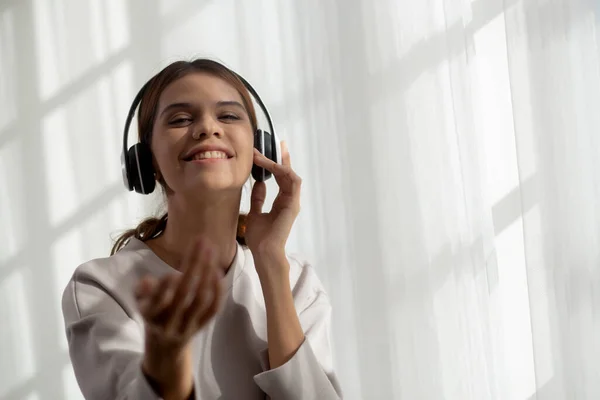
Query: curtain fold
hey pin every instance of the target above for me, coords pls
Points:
(556, 74)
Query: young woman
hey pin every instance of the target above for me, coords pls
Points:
(203, 303)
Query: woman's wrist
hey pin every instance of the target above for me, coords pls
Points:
(284, 332)
(168, 369)
(271, 264)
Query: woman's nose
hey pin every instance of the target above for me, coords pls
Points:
(207, 127)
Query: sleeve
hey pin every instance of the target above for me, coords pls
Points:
(309, 373)
(105, 344)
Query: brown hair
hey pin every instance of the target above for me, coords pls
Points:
(153, 227)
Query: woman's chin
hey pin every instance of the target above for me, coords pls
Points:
(212, 185)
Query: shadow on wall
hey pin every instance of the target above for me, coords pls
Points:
(61, 184)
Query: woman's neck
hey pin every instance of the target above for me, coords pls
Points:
(215, 223)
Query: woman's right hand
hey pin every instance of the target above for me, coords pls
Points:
(174, 308)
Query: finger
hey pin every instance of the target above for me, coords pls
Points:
(189, 269)
(285, 154)
(145, 287)
(212, 302)
(203, 297)
(264, 162)
(285, 176)
(257, 199)
(160, 298)
(289, 186)
(201, 269)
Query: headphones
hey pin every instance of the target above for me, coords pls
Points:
(136, 163)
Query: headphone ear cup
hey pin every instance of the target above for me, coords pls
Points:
(262, 143)
(140, 169)
(125, 171)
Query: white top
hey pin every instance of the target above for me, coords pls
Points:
(106, 332)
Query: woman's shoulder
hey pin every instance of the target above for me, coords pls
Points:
(134, 259)
(113, 277)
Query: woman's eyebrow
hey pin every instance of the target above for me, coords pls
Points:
(175, 105)
(231, 103)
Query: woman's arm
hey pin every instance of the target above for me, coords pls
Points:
(169, 371)
(118, 358)
(299, 347)
(284, 332)
(296, 371)
(106, 346)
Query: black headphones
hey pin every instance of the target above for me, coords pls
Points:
(136, 163)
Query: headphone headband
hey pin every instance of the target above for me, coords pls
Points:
(138, 99)
(130, 115)
(268, 141)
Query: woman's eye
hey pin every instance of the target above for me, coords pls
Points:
(230, 117)
(180, 121)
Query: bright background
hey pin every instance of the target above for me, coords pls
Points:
(450, 151)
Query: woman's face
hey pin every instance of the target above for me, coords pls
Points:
(202, 137)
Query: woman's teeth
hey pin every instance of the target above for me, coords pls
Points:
(209, 154)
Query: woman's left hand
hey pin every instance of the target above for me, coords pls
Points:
(267, 233)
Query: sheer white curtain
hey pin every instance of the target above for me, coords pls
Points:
(450, 151)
